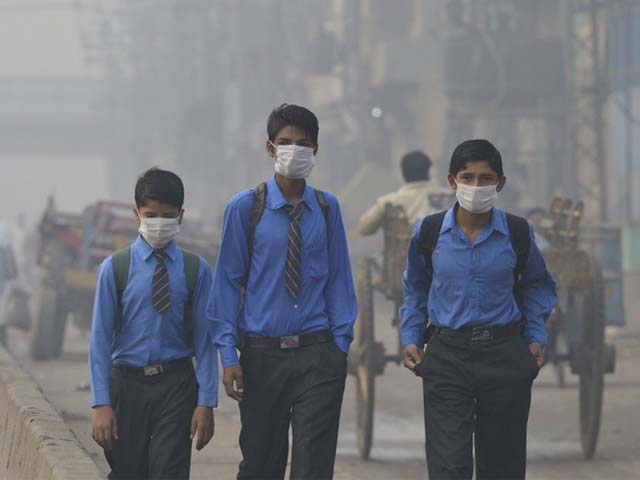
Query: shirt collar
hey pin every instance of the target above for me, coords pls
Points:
(145, 250)
(498, 220)
(276, 200)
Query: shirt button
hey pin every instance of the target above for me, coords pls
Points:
(296, 306)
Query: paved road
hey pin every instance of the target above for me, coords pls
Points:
(554, 448)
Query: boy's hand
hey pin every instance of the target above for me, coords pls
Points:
(104, 426)
(233, 382)
(412, 357)
(203, 424)
(536, 350)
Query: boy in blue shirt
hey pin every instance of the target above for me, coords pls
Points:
(149, 320)
(476, 274)
(284, 251)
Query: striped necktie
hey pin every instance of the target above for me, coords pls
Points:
(293, 271)
(160, 294)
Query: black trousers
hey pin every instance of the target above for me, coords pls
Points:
(300, 387)
(477, 391)
(154, 424)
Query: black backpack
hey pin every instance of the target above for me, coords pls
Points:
(257, 209)
(518, 234)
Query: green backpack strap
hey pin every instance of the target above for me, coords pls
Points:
(191, 263)
(121, 261)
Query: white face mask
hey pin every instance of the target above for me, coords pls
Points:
(476, 199)
(158, 232)
(293, 161)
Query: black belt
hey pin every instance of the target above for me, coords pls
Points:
(289, 341)
(150, 370)
(482, 334)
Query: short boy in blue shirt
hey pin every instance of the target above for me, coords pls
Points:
(476, 274)
(283, 293)
(149, 320)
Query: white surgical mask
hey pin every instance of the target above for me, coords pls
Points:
(158, 232)
(294, 161)
(476, 199)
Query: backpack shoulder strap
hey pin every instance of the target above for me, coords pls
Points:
(324, 206)
(121, 261)
(429, 234)
(520, 241)
(257, 209)
(191, 265)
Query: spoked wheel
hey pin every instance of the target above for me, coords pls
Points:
(589, 359)
(364, 359)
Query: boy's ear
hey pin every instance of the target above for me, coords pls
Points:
(180, 217)
(315, 150)
(501, 183)
(136, 215)
(452, 182)
(271, 151)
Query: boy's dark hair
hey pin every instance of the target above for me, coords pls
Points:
(478, 150)
(292, 115)
(161, 186)
(415, 166)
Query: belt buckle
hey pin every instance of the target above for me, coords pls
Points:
(153, 370)
(481, 334)
(292, 341)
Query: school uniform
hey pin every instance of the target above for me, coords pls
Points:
(293, 329)
(477, 369)
(144, 367)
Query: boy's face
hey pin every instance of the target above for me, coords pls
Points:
(477, 174)
(153, 209)
(291, 135)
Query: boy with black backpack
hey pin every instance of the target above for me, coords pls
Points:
(149, 320)
(283, 293)
(476, 274)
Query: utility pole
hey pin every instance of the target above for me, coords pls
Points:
(590, 92)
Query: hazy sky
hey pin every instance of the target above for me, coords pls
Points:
(40, 42)
(44, 43)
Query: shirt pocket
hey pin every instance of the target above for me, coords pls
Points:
(317, 262)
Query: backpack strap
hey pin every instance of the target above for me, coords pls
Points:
(191, 263)
(427, 241)
(428, 237)
(257, 209)
(324, 206)
(121, 261)
(520, 242)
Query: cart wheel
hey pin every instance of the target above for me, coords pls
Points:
(365, 367)
(47, 330)
(592, 363)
